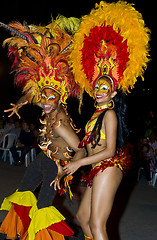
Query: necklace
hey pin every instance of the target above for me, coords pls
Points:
(102, 107)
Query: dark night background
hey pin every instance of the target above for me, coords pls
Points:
(140, 101)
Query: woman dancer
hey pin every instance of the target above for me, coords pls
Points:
(107, 167)
(110, 52)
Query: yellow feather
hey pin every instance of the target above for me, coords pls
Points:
(68, 24)
(31, 90)
(121, 16)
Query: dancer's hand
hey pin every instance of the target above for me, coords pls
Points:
(60, 174)
(15, 108)
(56, 183)
(71, 167)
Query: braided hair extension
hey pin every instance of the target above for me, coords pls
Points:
(95, 134)
(120, 110)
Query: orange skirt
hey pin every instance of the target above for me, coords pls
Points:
(16, 222)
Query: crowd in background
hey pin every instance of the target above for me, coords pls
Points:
(27, 137)
(142, 145)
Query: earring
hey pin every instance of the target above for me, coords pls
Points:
(110, 104)
(95, 104)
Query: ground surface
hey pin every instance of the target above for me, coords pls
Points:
(134, 214)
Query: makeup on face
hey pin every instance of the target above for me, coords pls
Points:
(49, 100)
(102, 88)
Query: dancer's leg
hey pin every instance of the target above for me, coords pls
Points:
(104, 188)
(33, 176)
(83, 214)
(47, 193)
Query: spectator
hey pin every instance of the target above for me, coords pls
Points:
(153, 141)
(146, 160)
(153, 144)
(24, 144)
(155, 160)
(36, 135)
(9, 125)
(17, 129)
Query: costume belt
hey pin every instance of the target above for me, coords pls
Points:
(121, 160)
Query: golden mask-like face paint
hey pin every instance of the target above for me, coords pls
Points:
(49, 100)
(103, 86)
(103, 90)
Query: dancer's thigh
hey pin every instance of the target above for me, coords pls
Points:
(84, 211)
(104, 188)
(47, 192)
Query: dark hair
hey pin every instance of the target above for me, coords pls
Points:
(121, 112)
(27, 122)
(122, 131)
(147, 146)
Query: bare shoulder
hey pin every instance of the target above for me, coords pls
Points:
(111, 116)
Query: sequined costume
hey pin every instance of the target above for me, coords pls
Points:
(120, 160)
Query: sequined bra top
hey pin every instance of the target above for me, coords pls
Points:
(88, 129)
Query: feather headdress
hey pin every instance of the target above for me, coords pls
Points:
(111, 40)
(41, 57)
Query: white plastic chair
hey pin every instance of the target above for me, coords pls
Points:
(30, 156)
(33, 154)
(140, 171)
(154, 179)
(9, 140)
